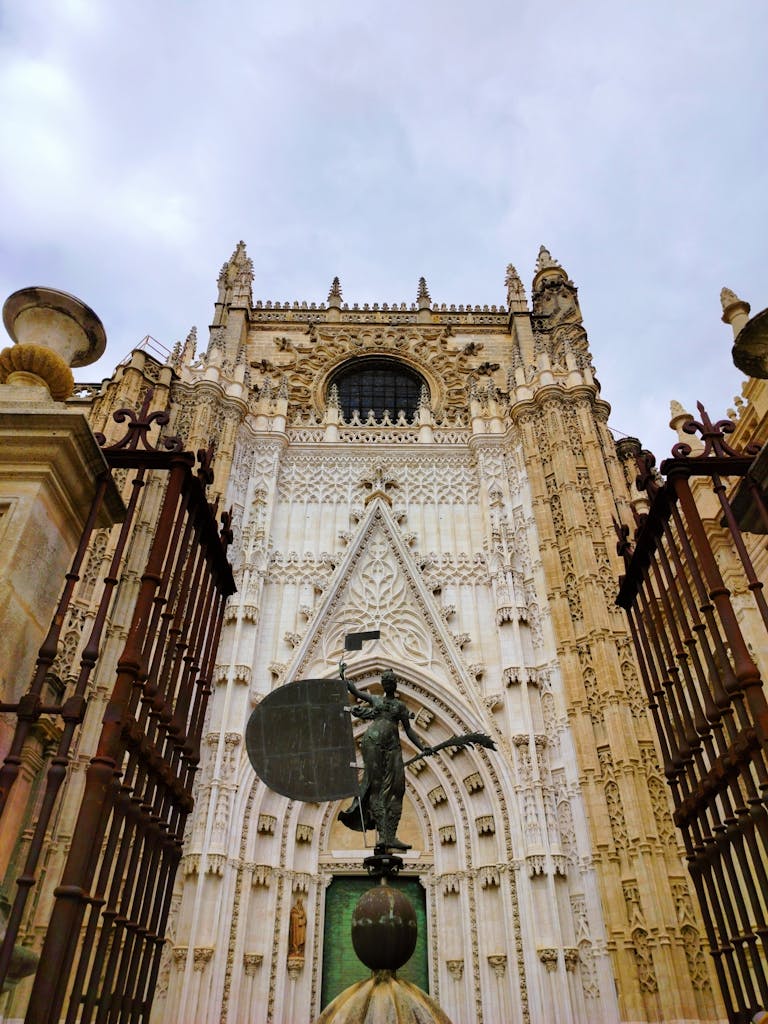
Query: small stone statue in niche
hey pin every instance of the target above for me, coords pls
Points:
(297, 934)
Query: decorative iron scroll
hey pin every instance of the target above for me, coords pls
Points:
(101, 952)
(706, 696)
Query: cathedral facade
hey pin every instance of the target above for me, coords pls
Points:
(445, 475)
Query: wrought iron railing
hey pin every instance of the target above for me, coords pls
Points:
(103, 940)
(706, 694)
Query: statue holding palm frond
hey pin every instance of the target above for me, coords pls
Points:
(380, 803)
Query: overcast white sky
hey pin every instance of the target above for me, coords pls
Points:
(380, 142)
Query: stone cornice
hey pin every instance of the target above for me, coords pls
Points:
(558, 393)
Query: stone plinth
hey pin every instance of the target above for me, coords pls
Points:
(49, 465)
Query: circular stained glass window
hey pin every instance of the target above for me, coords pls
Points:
(378, 384)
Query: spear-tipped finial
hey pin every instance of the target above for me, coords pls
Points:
(334, 295)
(423, 298)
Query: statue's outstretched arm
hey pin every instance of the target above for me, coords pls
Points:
(413, 736)
(357, 694)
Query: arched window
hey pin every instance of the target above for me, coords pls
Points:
(379, 384)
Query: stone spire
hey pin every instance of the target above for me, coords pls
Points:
(516, 300)
(423, 298)
(227, 341)
(189, 350)
(236, 279)
(334, 295)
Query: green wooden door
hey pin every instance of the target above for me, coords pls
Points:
(341, 967)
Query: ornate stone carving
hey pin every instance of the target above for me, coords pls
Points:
(304, 833)
(641, 951)
(571, 958)
(549, 956)
(489, 877)
(261, 875)
(616, 816)
(498, 964)
(251, 963)
(215, 864)
(437, 796)
(451, 479)
(485, 825)
(449, 883)
(180, 956)
(455, 969)
(447, 834)
(695, 958)
(294, 966)
(536, 864)
(202, 957)
(266, 824)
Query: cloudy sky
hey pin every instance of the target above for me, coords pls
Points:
(380, 142)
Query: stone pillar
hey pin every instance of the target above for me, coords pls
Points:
(49, 467)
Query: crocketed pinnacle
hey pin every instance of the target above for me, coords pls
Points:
(423, 298)
(334, 295)
(515, 291)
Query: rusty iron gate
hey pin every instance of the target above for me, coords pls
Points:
(706, 695)
(103, 941)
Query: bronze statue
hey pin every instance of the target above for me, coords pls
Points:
(380, 803)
